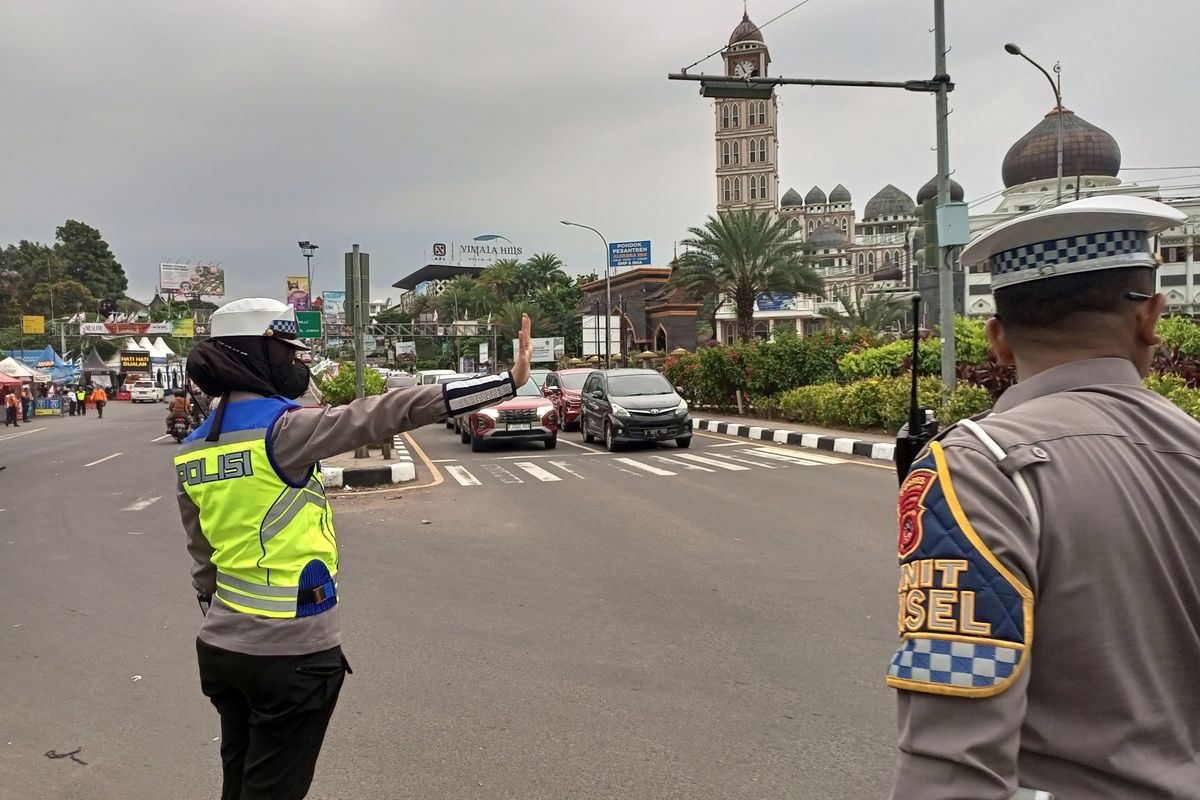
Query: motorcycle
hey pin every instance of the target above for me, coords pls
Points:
(179, 427)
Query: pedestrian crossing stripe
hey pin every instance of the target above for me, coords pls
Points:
(512, 472)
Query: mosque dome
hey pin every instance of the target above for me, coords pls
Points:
(1087, 150)
(827, 237)
(840, 194)
(791, 198)
(930, 190)
(815, 197)
(889, 202)
(746, 31)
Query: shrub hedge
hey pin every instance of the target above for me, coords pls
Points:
(878, 404)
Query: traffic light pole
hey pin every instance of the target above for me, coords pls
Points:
(945, 274)
(728, 87)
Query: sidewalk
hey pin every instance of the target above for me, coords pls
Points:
(347, 471)
(864, 445)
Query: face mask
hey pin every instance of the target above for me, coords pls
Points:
(290, 381)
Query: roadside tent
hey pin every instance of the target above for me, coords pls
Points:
(144, 344)
(8, 381)
(18, 370)
(161, 348)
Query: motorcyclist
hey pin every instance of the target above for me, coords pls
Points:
(178, 407)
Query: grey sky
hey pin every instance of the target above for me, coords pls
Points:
(228, 130)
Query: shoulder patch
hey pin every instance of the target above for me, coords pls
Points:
(965, 621)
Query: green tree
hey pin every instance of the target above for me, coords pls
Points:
(508, 316)
(66, 296)
(560, 305)
(742, 254)
(459, 299)
(872, 311)
(87, 258)
(499, 282)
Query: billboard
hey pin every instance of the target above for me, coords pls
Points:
(629, 254)
(593, 335)
(183, 328)
(33, 324)
(192, 279)
(297, 292)
(125, 328)
(545, 350)
(333, 305)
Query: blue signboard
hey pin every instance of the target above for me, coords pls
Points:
(773, 302)
(629, 254)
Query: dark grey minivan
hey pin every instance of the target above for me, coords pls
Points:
(633, 405)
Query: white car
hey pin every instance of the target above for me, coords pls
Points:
(146, 392)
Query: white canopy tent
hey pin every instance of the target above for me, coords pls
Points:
(161, 349)
(10, 366)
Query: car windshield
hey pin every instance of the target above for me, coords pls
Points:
(635, 385)
(572, 380)
(146, 385)
(529, 389)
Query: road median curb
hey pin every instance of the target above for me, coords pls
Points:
(846, 445)
(400, 470)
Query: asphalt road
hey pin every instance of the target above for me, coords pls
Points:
(569, 623)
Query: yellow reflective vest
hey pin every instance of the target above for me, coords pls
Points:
(273, 541)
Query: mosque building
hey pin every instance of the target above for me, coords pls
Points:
(881, 250)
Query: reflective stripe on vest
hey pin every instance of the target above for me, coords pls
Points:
(264, 531)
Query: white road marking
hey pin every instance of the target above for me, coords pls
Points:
(526, 455)
(567, 469)
(713, 462)
(134, 533)
(820, 459)
(746, 461)
(144, 502)
(6, 437)
(443, 460)
(102, 460)
(791, 459)
(464, 477)
(591, 450)
(683, 464)
(159, 439)
(536, 471)
(727, 444)
(501, 474)
(645, 467)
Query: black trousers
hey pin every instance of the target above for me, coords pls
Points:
(274, 712)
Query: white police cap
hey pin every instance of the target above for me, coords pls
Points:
(258, 316)
(1082, 236)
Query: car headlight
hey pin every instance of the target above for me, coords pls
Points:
(619, 411)
(491, 413)
(544, 410)
(681, 409)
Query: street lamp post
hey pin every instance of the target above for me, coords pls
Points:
(308, 248)
(607, 295)
(1056, 87)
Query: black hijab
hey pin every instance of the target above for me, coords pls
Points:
(238, 364)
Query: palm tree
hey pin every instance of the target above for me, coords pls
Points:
(508, 317)
(874, 311)
(542, 271)
(499, 282)
(459, 297)
(740, 255)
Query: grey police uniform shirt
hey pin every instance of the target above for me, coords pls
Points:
(1103, 700)
(299, 439)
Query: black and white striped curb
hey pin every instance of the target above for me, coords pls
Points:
(879, 451)
(400, 470)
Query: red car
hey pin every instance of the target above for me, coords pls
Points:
(526, 417)
(563, 389)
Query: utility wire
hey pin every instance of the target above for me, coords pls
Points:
(760, 27)
(1158, 169)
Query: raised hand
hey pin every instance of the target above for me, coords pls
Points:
(524, 354)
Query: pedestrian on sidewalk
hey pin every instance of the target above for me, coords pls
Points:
(69, 400)
(81, 400)
(269, 649)
(1049, 607)
(12, 408)
(100, 398)
(26, 403)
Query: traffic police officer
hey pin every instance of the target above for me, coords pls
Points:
(260, 532)
(1049, 600)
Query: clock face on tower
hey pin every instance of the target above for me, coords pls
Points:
(744, 69)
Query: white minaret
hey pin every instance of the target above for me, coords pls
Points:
(747, 157)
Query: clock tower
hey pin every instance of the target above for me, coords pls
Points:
(746, 142)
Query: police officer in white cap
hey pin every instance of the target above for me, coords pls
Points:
(261, 535)
(1049, 594)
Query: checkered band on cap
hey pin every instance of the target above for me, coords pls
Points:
(283, 328)
(1072, 254)
(953, 663)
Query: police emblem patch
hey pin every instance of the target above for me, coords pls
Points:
(964, 619)
(909, 508)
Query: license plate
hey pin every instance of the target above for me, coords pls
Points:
(656, 433)
(518, 426)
